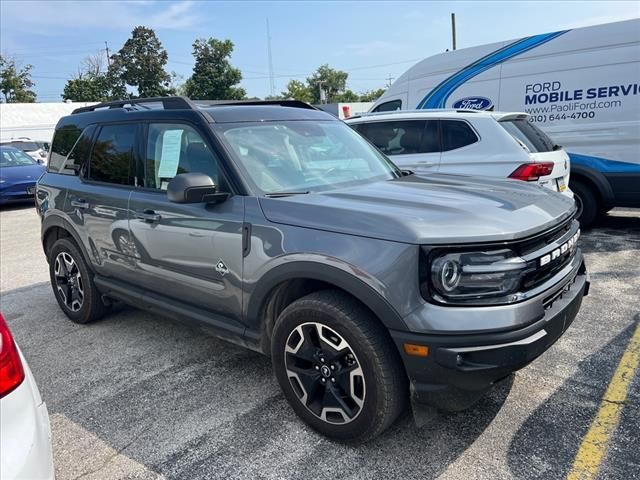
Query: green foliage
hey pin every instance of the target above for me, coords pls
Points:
(214, 78)
(16, 83)
(298, 91)
(332, 81)
(372, 95)
(140, 64)
(87, 88)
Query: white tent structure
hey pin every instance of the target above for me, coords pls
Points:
(35, 121)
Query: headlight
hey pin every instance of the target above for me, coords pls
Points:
(474, 277)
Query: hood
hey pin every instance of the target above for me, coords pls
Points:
(430, 209)
(22, 173)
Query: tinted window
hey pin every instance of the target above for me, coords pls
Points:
(456, 134)
(534, 138)
(63, 141)
(112, 155)
(78, 157)
(391, 106)
(177, 148)
(403, 137)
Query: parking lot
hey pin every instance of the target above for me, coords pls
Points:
(138, 396)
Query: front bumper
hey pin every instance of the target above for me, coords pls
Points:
(460, 368)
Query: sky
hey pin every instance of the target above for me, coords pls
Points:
(372, 40)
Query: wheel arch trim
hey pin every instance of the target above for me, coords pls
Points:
(313, 270)
(57, 221)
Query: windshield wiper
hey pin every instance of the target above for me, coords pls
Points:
(283, 194)
(557, 147)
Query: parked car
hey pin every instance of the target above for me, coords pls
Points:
(18, 175)
(580, 86)
(280, 228)
(36, 150)
(468, 142)
(25, 434)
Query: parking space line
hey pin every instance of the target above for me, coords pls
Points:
(594, 445)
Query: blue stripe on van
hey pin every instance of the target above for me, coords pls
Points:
(604, 165)
(437, 97)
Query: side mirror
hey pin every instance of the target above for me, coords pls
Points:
(194, 188)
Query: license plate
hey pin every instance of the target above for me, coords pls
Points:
(31, 190)
(561, 185)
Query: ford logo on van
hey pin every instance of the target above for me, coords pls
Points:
(473, 103)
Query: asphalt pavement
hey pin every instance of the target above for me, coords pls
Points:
(140, 396)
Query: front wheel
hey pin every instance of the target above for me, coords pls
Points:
(72, 283)
(337, 366)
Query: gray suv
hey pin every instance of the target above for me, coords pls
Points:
(281, 229)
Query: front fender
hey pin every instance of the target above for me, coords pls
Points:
(329, 270)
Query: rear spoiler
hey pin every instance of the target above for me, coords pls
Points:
(505, 117)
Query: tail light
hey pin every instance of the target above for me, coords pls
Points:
(11, 371)
(530, 172)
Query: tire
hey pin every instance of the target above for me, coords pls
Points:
(331, 329)
(72, 283)
(587, 202)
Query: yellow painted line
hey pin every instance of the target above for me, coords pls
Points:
(594, 445)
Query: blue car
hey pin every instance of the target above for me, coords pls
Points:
(18, 175)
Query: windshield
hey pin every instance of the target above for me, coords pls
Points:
(303, 156)
(530, 135)
(12, 157)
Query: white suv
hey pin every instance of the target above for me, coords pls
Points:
(468, 142)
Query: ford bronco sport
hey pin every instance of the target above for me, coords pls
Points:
(283, 230)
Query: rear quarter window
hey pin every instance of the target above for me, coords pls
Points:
(456, 134)
(64, 140)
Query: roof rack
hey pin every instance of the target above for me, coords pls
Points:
(283, 103)
(184, 103)
(168, 103)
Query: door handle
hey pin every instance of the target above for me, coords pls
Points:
(79, 203)
(148, 216)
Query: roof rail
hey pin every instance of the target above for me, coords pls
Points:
(283, 103)
(168, 103)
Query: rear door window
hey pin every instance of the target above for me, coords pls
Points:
(530, 135)
(456, 134)
(112, 155)
(404, 137)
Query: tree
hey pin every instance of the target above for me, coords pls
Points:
(372, 95)
(298, 91)
(15, 82)
(92, 83)
(140, 64)
(214, 78)
(332, 81)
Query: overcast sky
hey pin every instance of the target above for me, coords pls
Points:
(370, 40)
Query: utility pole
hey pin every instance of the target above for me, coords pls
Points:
(272, 84)
(389, 79)
(453, 29)
(106, 47)
(322, 91)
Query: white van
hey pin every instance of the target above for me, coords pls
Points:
(580, 86)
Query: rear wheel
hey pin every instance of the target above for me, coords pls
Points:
(586, 201)
(72, 283)
(337, 366)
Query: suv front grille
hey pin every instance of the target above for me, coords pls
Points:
(544, 246)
